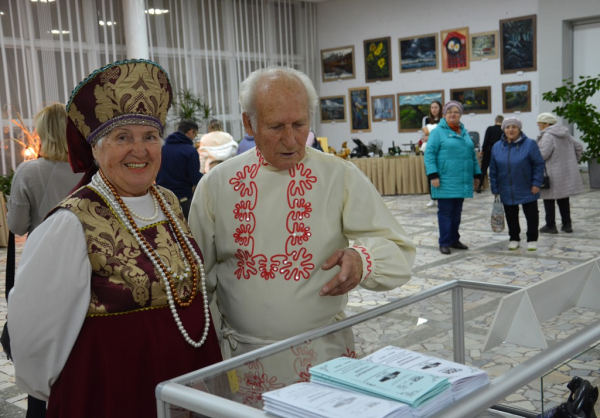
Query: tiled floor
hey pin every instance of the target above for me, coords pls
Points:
(487, 260)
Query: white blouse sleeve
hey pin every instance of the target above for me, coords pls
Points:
(387, 252)
(49, 301)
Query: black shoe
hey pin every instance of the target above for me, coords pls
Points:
(445, 250)
(548, 229)
(567, 228)
(459, 246)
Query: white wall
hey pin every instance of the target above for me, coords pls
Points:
(350, 22)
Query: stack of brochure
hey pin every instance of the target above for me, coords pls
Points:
(309, 400)
(464, 379)
(346, 384)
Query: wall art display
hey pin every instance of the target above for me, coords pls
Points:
(455, 49)
(484, 45)
(337, 64)
(360, 120)
(516, 97)
(383, 108)
(474, 99)
(518, 44)
(413, 107)
(419, 53)
(333, 109)
(378, 60)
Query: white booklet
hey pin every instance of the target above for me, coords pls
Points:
(310, 400)
(464, 379)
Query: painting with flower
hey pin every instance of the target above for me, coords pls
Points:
(378, 60)
(474, 99)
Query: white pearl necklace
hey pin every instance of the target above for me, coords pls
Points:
(147, 218)
(105, 191)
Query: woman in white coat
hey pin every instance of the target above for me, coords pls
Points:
(561, 152)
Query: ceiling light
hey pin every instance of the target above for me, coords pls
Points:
(102, 23)
(43, 1)
(156, 11)
(1, 13)
(58, 32)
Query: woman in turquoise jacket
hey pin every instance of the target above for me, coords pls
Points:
(451, 165)
(516, 174)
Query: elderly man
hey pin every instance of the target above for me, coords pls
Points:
(274, 227)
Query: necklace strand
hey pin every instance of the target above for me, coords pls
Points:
(147, 218)
(107, 191)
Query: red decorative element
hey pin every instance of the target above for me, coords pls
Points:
(241, 182)
(367, 258)
(301, 185)
(246, 265)
(254, 383)
(300, 267)
(267, 270)
(243, 211)
(301, 209)
(300, 234)
(243, 234)
(349, 353)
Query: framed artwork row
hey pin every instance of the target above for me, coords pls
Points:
(515, 43)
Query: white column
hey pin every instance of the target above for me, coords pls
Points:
(136, 31)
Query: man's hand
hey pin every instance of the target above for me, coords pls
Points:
(349, 275)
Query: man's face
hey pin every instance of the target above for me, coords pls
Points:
(283, 122)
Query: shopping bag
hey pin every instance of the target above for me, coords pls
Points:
(497, 215)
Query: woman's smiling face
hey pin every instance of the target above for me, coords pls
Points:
(130, 157)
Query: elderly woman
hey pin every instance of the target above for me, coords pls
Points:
(451, 165)
(110, 296)
(516, 174)
(561, 152)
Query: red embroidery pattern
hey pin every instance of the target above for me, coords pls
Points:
(349, 353)
(295, 262)
(367, 257)
(254, 383)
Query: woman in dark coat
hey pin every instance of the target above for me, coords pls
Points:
(516, 174)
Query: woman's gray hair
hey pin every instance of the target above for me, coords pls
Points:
(251, 84)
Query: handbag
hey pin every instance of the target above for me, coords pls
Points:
(497, 220)
(546, 181)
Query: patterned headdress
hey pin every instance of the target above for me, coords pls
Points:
(130, 92)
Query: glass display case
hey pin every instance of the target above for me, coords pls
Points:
(455, 321)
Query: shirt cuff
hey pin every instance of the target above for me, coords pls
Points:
(367, 261)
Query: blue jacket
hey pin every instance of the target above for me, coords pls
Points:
(514, 168)
(451, 157)
(180, 167)
(245, 144)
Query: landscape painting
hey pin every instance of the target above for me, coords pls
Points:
(519, 46)
(333, 109)
(413, 107)
(516, 97)
(378, 60)
(337, 64)
(419, 53)
(484, 46)
(383, 108)
(474, 99)
(360, 120)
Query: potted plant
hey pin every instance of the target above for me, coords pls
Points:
(187, 105)
(577, 109)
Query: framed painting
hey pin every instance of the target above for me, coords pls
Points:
(383, 108)
(413, 107)
(455, 49)
(419, 53)
(360, 114)
(378, 60)
(516, 97)
(474, 99)
(484, 46)
(333, 109)
(337, 64)
(518, 48)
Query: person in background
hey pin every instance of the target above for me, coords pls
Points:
(451, 165)
(492, 135)
(275, 226)
(216, 146)
(246, 143)
(180, 169)
(39, 185)
(516, 174)
(562, 153)
(109, 298)
(429, 123)
(313, 142)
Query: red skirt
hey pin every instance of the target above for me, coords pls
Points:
(118, 360)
